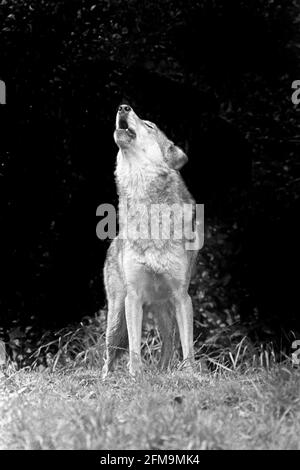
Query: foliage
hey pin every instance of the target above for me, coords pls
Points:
(216, 75)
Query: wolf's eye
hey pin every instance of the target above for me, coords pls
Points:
(149, 125)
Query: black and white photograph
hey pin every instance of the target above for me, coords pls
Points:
(149, 228)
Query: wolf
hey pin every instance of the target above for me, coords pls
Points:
(146, 273)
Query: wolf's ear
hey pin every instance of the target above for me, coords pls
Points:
(176, 157)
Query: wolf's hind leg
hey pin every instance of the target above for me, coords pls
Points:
(167, 329)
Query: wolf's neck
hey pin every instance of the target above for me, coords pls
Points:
(140, 182)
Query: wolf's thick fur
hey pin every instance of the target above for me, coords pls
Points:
(147, 273)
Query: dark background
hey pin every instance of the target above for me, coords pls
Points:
(216, 76)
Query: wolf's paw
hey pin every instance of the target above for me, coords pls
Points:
(105, 372)
(135, 370)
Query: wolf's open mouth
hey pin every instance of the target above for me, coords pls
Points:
(123, 124)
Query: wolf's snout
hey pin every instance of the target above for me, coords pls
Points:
(124, 108)
(122, 116)
(125, 125)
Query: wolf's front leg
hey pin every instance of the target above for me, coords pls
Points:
(116, 333)
(134, 318)
(184, 315)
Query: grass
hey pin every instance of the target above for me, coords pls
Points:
(226, 409)
(247, 399)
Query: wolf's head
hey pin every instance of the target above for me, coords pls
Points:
(142, 141)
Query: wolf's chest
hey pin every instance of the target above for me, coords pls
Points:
(157, 256)
(153, 274)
